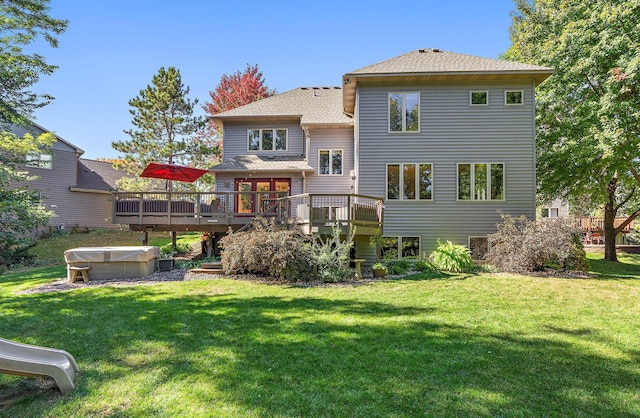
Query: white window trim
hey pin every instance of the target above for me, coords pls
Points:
(488, 192)
(331, 151)
(417, 185)
(399, 245)
(478, 104)
(403, 112)
(506, 92)
(274, 139)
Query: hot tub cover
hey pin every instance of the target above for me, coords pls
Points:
(111, 254)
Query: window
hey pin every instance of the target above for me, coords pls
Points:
(404, 112)
(409, 248)
(481, 181)
(267, 139)
(478, 98)
(330, 162)
(412, 181)
(39, 160)
(513, 97)
(479, 247)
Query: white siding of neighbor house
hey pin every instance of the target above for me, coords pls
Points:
(235, 140)
(330, 139)
(451, 132)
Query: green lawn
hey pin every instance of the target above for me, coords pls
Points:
(456, 345)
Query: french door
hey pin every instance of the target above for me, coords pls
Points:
(257, 195)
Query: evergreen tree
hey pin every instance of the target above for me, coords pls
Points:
(165, 131)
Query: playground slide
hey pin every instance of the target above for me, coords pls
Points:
(31, 360)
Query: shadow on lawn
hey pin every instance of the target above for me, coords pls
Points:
(306, 356)
(622, 269)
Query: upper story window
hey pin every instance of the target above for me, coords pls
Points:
(513, 97)
(267, 139)
(479, 98)
(404, 112)
(39, 160)
(412, 181)
(330, 162)
(481, 181)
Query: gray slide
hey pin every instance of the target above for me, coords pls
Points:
(31, 360)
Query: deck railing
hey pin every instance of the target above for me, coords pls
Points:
(597, 224)
(237, 208)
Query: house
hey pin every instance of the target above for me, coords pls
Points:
(77, 190)
(428, 145)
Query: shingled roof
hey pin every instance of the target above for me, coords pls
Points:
(437, 65)
(315, 106)
(284, 163)
(97, 176)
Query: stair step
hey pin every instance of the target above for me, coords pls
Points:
(212, 265)
(209, 271)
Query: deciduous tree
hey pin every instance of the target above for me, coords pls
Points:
(588, 117)
(238, 89)
(22, 22)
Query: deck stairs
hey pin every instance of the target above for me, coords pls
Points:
(209, 268)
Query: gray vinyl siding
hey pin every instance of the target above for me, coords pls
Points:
(92, 210)
(451, 132)
(330, 139)
(235, 141)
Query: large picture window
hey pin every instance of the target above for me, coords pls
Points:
(404, 112)
(410, 181)
(330, 162)
(481, 181)
(267, 139)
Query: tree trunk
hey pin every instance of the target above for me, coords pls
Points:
(609, 233)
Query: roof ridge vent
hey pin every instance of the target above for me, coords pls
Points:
(424, 51)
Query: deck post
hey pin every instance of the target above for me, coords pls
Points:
(210, 245)
(174, 237)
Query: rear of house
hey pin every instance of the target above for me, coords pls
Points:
(449, 141)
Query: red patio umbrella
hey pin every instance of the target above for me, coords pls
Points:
(173, 172)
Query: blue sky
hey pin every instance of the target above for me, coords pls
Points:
(112, 49)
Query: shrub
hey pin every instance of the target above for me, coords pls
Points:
(398, 267)
(425, 267)
(280, 251)
(167, 249)
(332, 256)
(451, 257)
(521, 245)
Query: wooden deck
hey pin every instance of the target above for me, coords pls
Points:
(219, 211)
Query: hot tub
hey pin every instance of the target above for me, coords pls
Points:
(114, 262)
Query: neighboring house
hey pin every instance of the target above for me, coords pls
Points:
(446, 140)
(77, 190)
(557, 208)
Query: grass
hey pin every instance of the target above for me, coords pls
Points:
(51, 250)
(451, 345)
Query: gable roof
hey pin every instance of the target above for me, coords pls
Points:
(314, 106)
(96, 176)
(437, 65)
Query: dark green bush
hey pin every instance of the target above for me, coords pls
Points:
(398, 267)
(425, 267)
